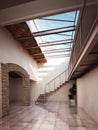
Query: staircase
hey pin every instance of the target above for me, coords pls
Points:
(52, 86)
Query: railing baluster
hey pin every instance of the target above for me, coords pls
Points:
(53, 81)
(59, 80)
(54, 84)
(65, 75)
(81, 35)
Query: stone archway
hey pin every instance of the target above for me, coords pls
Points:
(5, 69)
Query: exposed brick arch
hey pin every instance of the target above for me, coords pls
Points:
(16, 68)
(5, 69)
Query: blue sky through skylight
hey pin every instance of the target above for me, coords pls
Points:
(47, 24)
(54, 22)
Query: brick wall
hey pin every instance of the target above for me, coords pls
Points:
(4, 86)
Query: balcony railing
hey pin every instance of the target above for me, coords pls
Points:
(87, 19)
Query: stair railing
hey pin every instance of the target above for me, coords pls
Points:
(53, 85)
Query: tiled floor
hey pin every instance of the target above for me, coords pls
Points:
(51, 116)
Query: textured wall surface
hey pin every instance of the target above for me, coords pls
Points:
(5, 69)
(88, 93)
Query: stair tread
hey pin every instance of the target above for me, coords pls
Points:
(41, 98)
(42, 94)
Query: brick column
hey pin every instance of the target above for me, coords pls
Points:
(4, 86)
(26, 89)
(5, 89)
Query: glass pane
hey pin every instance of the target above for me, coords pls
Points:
(42, 24)
(48, 24)
(56, 47)
(55, 22)
(54, 37)
(64, 16)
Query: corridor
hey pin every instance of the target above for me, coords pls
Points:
(51, 116)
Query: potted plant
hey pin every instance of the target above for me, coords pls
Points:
(72, 95)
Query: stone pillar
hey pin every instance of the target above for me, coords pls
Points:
(5, 89)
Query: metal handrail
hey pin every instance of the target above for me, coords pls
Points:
(58, 76)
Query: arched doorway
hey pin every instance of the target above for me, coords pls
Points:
(15, 88)
(8, 71)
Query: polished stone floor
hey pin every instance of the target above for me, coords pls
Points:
(51, 116)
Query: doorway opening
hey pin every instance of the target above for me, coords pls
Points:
(15, 86)
(15, 89)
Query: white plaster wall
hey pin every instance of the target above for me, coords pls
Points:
(15, 90)
(47, 72)
(34, 91)
(61, 94)
(57, 67)
(87, 93)
(12, 52)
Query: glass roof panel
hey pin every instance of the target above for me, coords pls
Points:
(45, 24)
(54, 21)
(54, 32)
(64, 16)
(54, 37)
(56, 47)
(59, 53)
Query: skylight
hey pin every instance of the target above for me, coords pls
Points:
(54, 34)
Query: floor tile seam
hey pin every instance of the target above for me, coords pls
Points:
(26, 121)
(79, 116)
(23, 111)
(30, 122)
(19, 109)
(56, 118)
(61, 116)
(82, 119)
(88, 115)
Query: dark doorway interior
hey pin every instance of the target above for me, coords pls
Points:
(15, 89)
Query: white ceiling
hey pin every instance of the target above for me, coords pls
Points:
(9, 3)
(22, 10)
